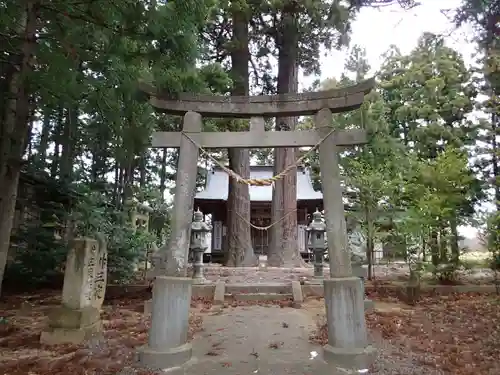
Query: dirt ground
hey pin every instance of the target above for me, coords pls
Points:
(22, 318)
(382, 272)
(456, 334)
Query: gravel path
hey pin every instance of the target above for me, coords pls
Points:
(275, 341)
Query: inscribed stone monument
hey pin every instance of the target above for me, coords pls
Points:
(84, 288)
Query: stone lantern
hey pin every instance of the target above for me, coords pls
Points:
(317, 242)
(199, 230)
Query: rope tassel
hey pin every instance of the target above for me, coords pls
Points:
(258, 181)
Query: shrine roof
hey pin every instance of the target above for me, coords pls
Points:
(217, 185)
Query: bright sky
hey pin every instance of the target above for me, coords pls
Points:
(377, 29)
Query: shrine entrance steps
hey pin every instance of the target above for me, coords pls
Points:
(290, 294)
(259, 292)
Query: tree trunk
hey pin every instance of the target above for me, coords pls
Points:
(454, 242)
(370, 241)
(29, 135)
(443, 246)
(142, 170)
(128, 180)
(284, 249)
(434, 247)
(495, 167)
(68, 141)
(163, 173)
(240, 250)
(116, 182)
(56, 158)
(119, 186)
(13, 129)
(41, 157)
(492, 47)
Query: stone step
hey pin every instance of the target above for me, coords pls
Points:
(269, 288)
(258, 296)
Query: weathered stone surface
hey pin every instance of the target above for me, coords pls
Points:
(147, 307)
(64, 317)
(298, 298)
(166, 359)
(177, 249)
(198, 245)
(343, 293)
(219, 293)
(360, 271)
(57, 336)
(336, 227)
(167, 342)
(337, 100)
(259, 297)
(269, 287)
(354, 359)
(78, 276)
(262, 262)
(259, 139)
(347, 337)
(100, 274)
(84, 288)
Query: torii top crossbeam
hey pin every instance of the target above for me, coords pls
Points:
(324, 137)
(337, 100)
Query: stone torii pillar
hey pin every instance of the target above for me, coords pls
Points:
(347, 346)
(344, 294)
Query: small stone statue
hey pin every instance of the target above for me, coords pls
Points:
(357, 246)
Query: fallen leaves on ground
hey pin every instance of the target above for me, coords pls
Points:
(276, 345)
(458, 334)
(125, 328)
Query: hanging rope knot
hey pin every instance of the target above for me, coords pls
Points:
(267, 227)
(269, 181)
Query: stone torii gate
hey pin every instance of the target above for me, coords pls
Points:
(343, 292)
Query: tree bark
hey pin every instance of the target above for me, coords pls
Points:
(142, 170)
(443, 245)
(284, 250)
(13, 129)
(434, 247)
(370, 239)
(240, 250)
(41, 157)
(68, 141)
(69, 137)
(454, 242)
(57, 134)
(163, 173)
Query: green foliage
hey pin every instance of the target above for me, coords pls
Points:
(38, 255)
(40, 250)
(412, 184)
(491, 237)
(127, 248)
(87, 59)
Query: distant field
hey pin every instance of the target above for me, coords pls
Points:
(475, 255)
(476, 258)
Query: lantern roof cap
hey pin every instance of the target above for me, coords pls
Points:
(198, 224)
(317, 224)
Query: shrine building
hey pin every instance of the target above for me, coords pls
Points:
(213, 200)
